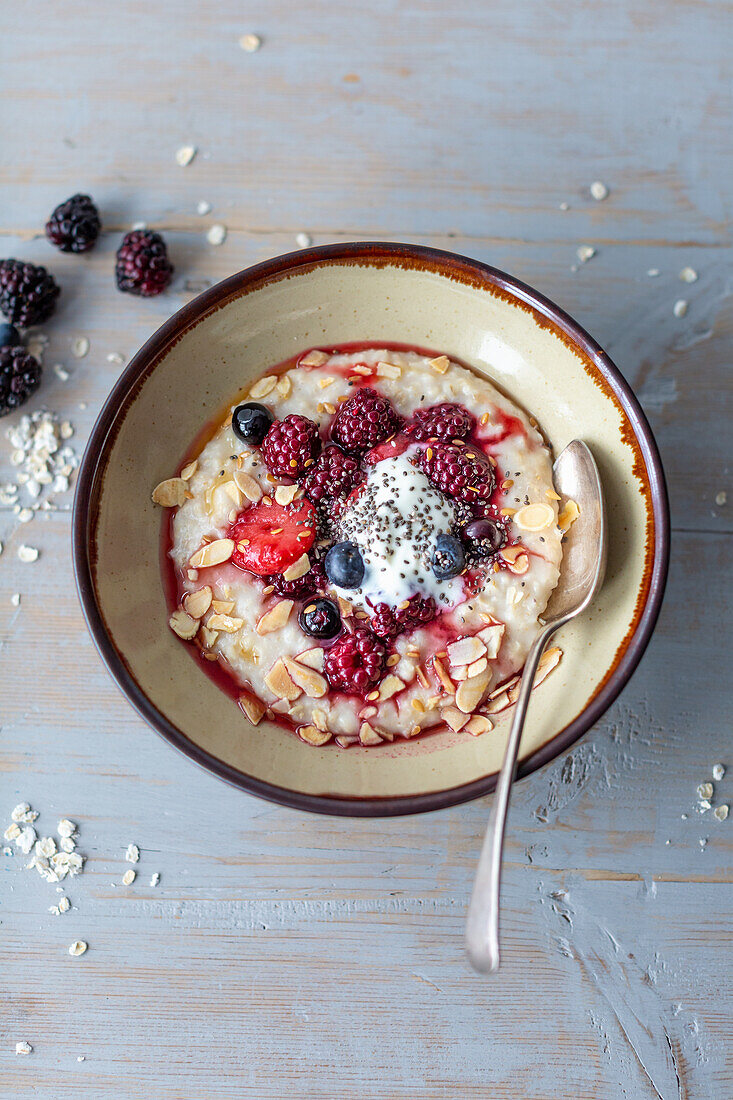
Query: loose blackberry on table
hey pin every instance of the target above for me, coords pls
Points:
(74, 225)
(28, 293)
(142, 266)
(20, 376)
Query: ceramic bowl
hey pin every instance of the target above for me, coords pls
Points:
(190, 370)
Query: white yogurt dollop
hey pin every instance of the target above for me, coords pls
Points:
(395, 521)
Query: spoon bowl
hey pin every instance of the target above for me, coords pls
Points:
(583, 569)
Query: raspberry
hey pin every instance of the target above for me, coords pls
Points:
(356, 662)
(143, 267)
(74, 225)
(364, 420)
(333, 474)
(390, 621)
(313, 581)
(268, 537)
(462, 473)
(290, 446)
(27, 293)
(20, 376)
(443, 422)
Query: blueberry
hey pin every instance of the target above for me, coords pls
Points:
(484, 536)
(345, 565)
(251, 422)
(9, 337)
(320, 618)
(448, 559)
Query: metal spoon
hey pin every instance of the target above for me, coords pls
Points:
(583, 569)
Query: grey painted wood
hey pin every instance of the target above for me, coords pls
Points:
(284, 955)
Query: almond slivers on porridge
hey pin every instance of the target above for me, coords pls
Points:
(365, 547)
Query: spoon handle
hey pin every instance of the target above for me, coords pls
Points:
(482, 925)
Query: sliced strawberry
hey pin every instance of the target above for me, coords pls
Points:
(268, 538)
(396, 446)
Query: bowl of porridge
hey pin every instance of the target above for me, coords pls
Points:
(341, 528)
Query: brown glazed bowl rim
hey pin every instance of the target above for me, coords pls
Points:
(378, 254)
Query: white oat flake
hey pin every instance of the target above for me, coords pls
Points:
(23, 1047)
(155, 878)
(80, 347)
(721, 498)
(27, 554)
(585, 252)
(718, 772)
(203, 207)
(26, 839)
(598, 190)
(250, 43)
(15, 599)
(24, 814)
(78, 947)
(303, 240)
(185, 155)
(688, 275)
(720, 813)
(680, 307)
(128, 878)
(132, 855)
(65, 827)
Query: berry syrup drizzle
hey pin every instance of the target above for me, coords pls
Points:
(442, 630)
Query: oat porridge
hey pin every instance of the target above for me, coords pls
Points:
(365, 546)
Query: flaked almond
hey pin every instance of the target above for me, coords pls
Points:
(312, 658)
(568, 516)
(207, 636)
(192, 574)
(440, 364)
(454, 718)
(197, 603)
(552, 495)
(459, 674)
(314, 359)
(362, 370)
(183, 625)
(284, 385)
(367, 712)
(263, 386)
(388, 370)
(477, 667)
(479, 724)
(280, 683)
(470, 692)
(320, 719)
(189, 470)
(170, 493)
(421, 677)
(443, 677)
(433, 702)
(520, 565)
(226, 623)
(368, 735)
(344, 741)
(491, 637)
(389, 686)
(313, 736)
(214, 553)
(248, 485)
(280, 706)
(298, 569)
(344, 607)
(498, 703)
(511, 553)
(233, 491)
(506, 686)
(253, 708)
(275, 618)
(223, 606)
(465, 651)
(324, 383)
(285, 494)
(313, 684)
(550, 659)
(534, 517)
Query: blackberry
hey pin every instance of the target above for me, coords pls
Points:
(143, 267)
(355, 662)
(364, 420)
(462, 473)
(388, 621)
(28, 293)
(333, 474)
(290, 446)
(443, 422)
(311, 582)
(74, 225)
(20, 376)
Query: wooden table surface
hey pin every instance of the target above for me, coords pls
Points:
(290, 956)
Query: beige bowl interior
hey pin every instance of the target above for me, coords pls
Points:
(327, 304)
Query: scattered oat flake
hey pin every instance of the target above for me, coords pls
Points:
(78, 947)
(250, 43)
(27, 554)
(720, 813)
(23, 1048)
(132, 855)
(24, 814)
(128, 878)
(217, 234)
(80, 347)
(303, 240)
(585, 252)
(702, 842)
(26, 839)
(721, 498)
(61, 372)
(718, 772)
(115, 357)
(64, 905)
(185, 155)
(598, 190)
(155, 878)
(203, 207)
(705, 790)
(688, 275)
(653, 272)
(564, 206)
(680, 307)
(65, 827)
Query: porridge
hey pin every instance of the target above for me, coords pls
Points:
(366, 544)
